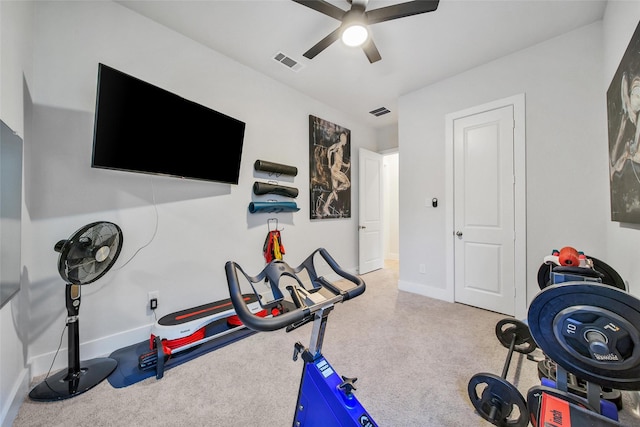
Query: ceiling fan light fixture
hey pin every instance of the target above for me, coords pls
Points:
(355, 35)
(359, 16)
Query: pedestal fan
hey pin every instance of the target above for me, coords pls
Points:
(84, 258)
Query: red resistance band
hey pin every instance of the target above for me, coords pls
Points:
(168, 345)
(235, 320)
(273, 247)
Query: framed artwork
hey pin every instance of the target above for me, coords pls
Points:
(329, 169)
(623, 108)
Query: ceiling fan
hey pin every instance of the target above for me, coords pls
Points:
(354, 22)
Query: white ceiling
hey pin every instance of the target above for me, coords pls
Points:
(416, 51)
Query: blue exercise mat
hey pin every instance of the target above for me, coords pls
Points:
(127, 372)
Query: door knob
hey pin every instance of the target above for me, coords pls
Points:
(459, 233)
(361, 227)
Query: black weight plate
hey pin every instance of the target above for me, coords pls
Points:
(611, 277)
(544, 275)
(558, 302)
(507, 328)
(500, 397)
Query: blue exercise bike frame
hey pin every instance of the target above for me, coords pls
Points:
(325, 399)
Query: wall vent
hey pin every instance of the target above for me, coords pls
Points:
(288, 62)
(380, 111)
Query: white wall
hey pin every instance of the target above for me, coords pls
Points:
(200, 225)
(387, 138)
(15, 66)
(566, 149)
(619, 23)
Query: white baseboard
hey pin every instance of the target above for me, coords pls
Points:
(426, 290)
(15, 399)
(101, 347)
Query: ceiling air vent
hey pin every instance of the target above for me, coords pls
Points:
(288, 62)
(380, 111)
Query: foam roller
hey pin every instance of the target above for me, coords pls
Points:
(265, 166)
(260, 188)
(273, 207)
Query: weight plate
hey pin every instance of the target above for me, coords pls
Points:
(591, 330)
(611, 276)
(507, 328)
(544, 275)
(498, 401)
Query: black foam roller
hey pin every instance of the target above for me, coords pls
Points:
(265, 166)
(260, 188)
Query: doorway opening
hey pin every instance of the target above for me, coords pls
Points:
(391, 209)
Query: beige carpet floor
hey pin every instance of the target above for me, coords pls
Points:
(413, 357)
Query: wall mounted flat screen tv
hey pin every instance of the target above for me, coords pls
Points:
(140, 127)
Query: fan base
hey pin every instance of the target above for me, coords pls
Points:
(64, 385)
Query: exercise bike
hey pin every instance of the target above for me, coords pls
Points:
(325, 399)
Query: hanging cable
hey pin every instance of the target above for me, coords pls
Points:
(155, 230)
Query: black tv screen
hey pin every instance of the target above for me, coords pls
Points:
(140, 127)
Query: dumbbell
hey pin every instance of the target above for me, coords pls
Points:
(498, 398)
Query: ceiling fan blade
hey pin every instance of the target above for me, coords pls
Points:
(371, 51)
(401, 10)
(323, 44)
(323, 7)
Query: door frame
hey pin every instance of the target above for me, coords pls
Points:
(519, 162)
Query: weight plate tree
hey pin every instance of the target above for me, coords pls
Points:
(578, 386)
(591, 330)
(493, 397)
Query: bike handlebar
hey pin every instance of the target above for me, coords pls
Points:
(273, 272)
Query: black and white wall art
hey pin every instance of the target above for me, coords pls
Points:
(623, 114)
(329, 169)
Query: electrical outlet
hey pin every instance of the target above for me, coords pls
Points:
(152, 300)
(422, 269)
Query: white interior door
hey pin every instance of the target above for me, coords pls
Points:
(370, 238)
(484, 219)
